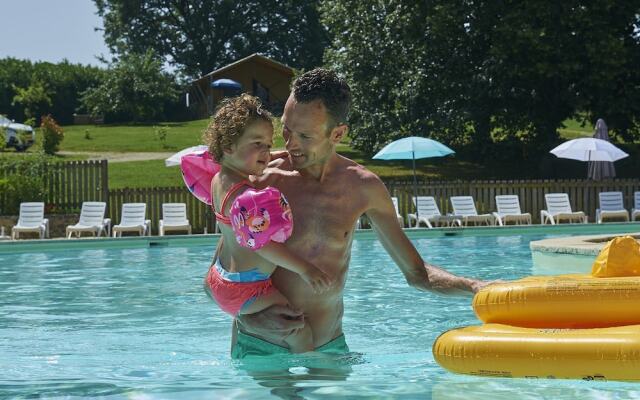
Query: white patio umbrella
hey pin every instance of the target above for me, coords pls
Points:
(412, 148)
(175, 159)
(589, 149)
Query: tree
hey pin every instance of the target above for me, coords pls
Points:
(66, 81)
(134, 89)
(24, 84)
(485, 73)
(14, 74)
(36, 99)
(198, 37)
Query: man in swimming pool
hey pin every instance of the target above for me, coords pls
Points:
(327, 194)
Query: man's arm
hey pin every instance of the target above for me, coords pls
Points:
(419, 274)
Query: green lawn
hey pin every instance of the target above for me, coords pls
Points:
(140, 138)
(151, 173)
(574, 130)
(130, 138)
(143, 138)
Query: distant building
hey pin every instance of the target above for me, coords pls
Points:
(258, 75)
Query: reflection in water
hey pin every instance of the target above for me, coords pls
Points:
(294, 376)
(534, 389)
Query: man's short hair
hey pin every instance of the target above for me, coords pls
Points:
(326, 86)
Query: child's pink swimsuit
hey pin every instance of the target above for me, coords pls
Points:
(257, 217)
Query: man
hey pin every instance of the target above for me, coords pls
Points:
(327, 194)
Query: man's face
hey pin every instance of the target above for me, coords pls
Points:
(307, 134)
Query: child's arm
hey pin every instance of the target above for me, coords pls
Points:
(278, 254)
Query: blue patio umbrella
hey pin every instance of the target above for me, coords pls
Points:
(412, 148)
(226, 84)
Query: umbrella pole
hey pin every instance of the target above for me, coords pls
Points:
(415, 188)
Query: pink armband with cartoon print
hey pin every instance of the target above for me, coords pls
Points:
(258, 216)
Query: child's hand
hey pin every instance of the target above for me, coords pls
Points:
(318, 280)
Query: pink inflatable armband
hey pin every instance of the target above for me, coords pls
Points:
(258, 216)
(198, 169)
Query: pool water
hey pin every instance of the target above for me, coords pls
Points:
(136, 324)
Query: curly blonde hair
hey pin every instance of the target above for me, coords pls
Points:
(231, 119)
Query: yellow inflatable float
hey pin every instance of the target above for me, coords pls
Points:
(506, 351)
(564, 301)
(526, 332)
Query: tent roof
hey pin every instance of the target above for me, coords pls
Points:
(253, 57)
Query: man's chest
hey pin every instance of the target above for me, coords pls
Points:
(326, 209)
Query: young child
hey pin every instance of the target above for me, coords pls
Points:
(254, 223)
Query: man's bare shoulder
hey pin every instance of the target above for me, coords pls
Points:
(359, 174)
(356, 170)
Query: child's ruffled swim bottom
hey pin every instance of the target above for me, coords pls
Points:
(233, 291)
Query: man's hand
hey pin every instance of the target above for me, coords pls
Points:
(275, 322)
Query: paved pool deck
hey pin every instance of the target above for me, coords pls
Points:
(587, 245)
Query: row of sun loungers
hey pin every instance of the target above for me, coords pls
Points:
(174, 215)
(508, 211)
(92, 220)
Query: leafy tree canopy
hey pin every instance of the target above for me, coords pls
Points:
(486, 73)
(134, 89)
(200, 36)
(32, 89)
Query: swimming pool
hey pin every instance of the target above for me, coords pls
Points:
(135, 323)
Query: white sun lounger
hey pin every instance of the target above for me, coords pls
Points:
(611, 207)
(635, 211)
(91, 220)
(174, 218)
(508, 206)
(464, 207)
(429, 213)
(31, 219)
(559, 210)
(133, 219)
(395, 205)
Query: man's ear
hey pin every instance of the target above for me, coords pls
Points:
(339, 132)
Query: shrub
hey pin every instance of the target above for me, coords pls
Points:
(16, 189)
(52, 134)
(161, 135)
(22, 180)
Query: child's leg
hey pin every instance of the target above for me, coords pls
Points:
(300, 340)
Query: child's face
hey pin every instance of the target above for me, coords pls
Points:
(251, 153)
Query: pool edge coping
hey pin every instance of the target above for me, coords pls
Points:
(593, 230)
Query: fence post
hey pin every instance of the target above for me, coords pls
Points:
(104, 181)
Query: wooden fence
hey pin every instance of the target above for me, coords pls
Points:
(199, 214)
(69, 184)
(583, 194)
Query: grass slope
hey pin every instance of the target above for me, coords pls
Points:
(143, 138)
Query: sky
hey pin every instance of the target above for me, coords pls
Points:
(51, 30)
